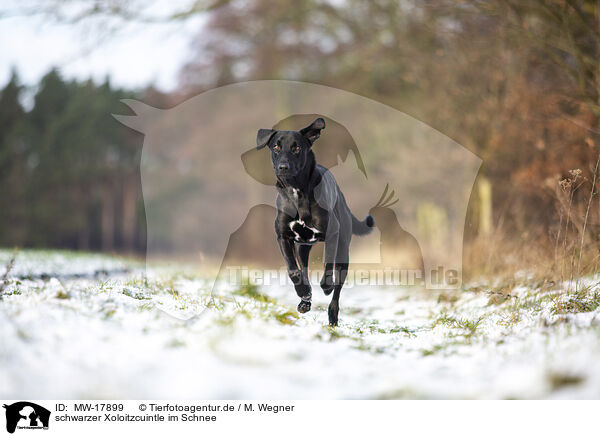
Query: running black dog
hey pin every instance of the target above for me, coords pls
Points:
(310, 208)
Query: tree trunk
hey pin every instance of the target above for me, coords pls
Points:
(108, 217)
(128, 217)
(484, 188)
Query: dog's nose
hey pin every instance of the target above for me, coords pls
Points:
(283, 166)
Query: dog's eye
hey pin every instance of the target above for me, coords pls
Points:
(277, 147)
(295, 149)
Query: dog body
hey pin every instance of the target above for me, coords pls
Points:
(310, 208)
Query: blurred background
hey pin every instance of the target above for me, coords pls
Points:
(515, 82)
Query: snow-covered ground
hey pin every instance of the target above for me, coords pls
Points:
(91, 326)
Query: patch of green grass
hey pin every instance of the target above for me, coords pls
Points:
(182, 304)
(63, 295)
(252, 291)
(333, 333)
(216, 303)
(470, 325)
(533, 303)
(109, 312)
(138, 281)
(581, 301)
(402, 329)
(510, 319)
(445, 319)
(146, 306)
(374, 327)
(15, 291)
(398, 394)
(241, 310)
(435, 349)
(136, 295)
(358, 342)
(288, 317)
(104, 285)
(144, 285)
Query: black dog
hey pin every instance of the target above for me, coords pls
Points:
(310, 208)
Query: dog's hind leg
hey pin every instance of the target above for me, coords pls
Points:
(331, 247)
(303, 289)
(334, 305)
(341, 271)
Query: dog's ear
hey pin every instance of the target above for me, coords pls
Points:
(263, 137)
(313, 131)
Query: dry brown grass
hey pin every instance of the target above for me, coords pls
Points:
(563, 254)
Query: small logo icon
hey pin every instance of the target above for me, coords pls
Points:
(26, 415)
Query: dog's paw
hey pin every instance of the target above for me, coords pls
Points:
(303, 306)
(333, 314)
(333, 320)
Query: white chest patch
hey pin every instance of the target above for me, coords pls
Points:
(304, 233)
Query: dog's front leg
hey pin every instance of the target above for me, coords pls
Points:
(286, 246)
(303, 290)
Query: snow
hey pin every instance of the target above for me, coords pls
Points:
(92, 326)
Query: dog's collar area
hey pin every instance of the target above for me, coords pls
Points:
(296, 193)
(289, 183)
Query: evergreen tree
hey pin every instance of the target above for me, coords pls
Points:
(12, 162)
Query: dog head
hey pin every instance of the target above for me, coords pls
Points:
(290, 149)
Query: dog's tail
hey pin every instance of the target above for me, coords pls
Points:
(364, 227)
